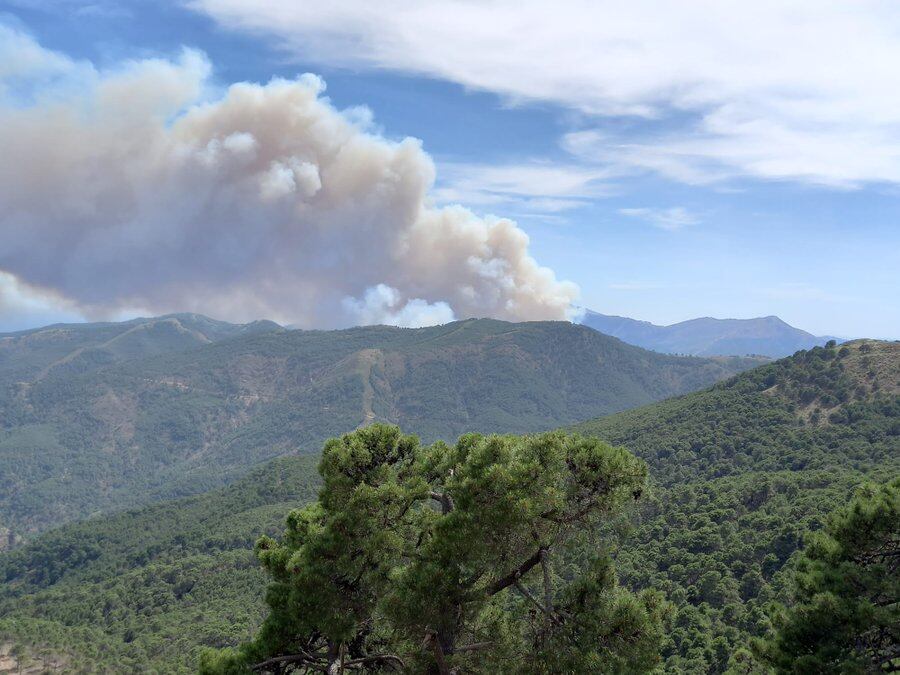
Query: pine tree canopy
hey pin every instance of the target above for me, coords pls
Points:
(469, 558)
(846, 616)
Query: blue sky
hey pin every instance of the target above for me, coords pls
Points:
(680, 175)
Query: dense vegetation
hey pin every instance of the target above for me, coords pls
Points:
(92, 428)
(845, 617)
(150, 586)
(30, 355)
(462, 549)
(741, 471)
(739, 474)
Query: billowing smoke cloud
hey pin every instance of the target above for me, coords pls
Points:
(137, 189)
(383, 304)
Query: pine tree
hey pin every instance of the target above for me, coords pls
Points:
(846, 616)
(445, 559)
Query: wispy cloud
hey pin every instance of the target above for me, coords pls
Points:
(774, 89)
(671, 219)
(528, 187)
(633, 286)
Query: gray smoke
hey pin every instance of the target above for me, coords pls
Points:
(138, 189)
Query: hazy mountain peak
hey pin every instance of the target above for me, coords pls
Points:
(708, 336)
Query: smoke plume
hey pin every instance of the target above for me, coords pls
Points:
(139, 189)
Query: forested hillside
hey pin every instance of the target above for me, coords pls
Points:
(31, 355)
(122, 415)
(739, 472)
(144, 589)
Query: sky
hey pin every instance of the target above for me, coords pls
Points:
(663, 161)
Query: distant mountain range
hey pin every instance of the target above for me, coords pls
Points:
(96, 417)
(765, 336)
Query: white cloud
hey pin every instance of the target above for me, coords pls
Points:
(135, 187)
(529, 187)
(671, 219)
(784, 89)
(23, 307)
(382, 304)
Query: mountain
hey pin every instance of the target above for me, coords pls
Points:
(821, 393)
(75, 348)
(742, 471)
(108, 416)
(739, 471)
(767, 336)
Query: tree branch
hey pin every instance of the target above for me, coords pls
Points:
(302, 657)
(512, 577)
(444, 499)
(524, 591)
(548, 580)
(377, 658)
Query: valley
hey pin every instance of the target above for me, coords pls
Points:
(100, 417)
(738, 471)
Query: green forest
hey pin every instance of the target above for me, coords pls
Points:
(729, 530)
(449, 337)
(108, 416)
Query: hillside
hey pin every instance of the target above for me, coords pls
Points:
(740, 471)
(94, 430)
(148, 586)
(807, 411)
(32, 355)
(768, 336)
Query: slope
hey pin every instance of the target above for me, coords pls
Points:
(768, 336)
(30, 355)
(181, 422)
(148, 587)
(740, 471)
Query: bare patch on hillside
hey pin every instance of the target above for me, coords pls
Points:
(16, 660)
(869, 368)
(117, 410)
(874, 364)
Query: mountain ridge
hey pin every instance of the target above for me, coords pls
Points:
(82, 347)
(101, 431)
(707, 336)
